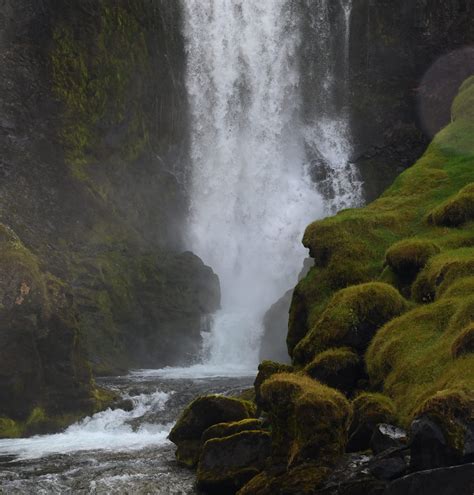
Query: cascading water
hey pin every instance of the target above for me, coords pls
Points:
(252, 150)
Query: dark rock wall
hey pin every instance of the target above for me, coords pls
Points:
(395, 109)
(92, 161)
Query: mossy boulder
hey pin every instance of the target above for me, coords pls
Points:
(441, 272)
(339, 368)
(201, 414)
(453, 411)
(370, 409)
(351, 319)
(408, 257)
(306, 479)
(309, 421)
(227, 463)
(456, 211)
(265, 370)
(464, 344)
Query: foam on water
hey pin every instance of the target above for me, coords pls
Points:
(107, 430)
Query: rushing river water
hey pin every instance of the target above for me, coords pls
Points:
(119, 452)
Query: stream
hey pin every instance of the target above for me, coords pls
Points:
(119, 452)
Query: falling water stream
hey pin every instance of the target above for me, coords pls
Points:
(270, 152)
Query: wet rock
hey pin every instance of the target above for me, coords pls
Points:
(387, 436)
(389, 468)
(201, 414)
(429, 446)
(457, 480)
(124, 404)
(226, 464)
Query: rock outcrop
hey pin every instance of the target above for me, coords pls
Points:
(92, 157)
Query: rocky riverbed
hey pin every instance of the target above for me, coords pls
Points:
(121, 451)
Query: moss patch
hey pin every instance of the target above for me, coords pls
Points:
(418, 237)
(309, 420)
(351, 319)
(338, 368)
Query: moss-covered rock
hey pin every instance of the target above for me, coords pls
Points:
(464, 343)
(351, 319)
(418, 353)
(453, 410)
(265, 370)
(306, 479)
(456, 211)
(441, 272)
(309, 421)
(408, 257)
(370, 409)
(201, 414)
(221, 430)
(340, 368)
(227, 463)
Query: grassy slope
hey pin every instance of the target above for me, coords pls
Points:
(411, 358)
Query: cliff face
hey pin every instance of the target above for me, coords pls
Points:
(92, 151)
(395, 109)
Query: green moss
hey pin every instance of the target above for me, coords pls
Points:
(351, 319)
(92, 69)
(372, 408)
(463, 106)
(338, 368)
(309, 420)
(441, 272)
(10, 428)
(221, 430)
(409, 256)
(303, 480)
(464, 343)
(456, 211)
(265, 370)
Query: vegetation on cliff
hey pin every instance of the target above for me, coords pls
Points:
(417, 238)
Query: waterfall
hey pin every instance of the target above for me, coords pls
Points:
(252, 187)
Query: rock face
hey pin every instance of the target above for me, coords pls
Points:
(92, 153)
(396, 109)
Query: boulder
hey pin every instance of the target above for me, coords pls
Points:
(457, 480)
(302, 480)
(429, 446)
(338, 368)
(389, 468)
(351, 319)
(201, 414)
(309, 421)
(265, 370)
(387, 437)
(227, 463)
(369, 410)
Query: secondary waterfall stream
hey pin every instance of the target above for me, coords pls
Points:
(270, 152)
(256, 151)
